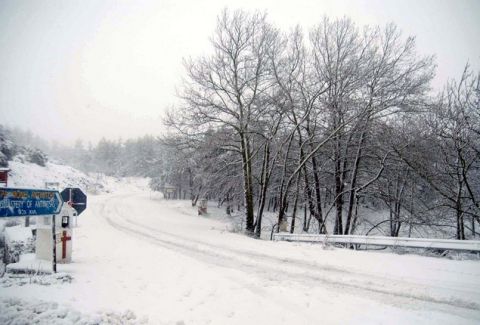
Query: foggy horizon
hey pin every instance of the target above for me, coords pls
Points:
(87, 70)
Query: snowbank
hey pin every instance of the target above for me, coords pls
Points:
(28, 264)
(17, 234)
(18, 240)
(18, 311)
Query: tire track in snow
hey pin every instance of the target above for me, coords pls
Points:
(242, 260)
(297, 263)
(216, 260)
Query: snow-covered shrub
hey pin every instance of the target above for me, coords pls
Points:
(18, 240)
(156, 184)
(237, 222)
(3, 160)
(4, 223)
(10, 150)
(7, 148)
(37, 156)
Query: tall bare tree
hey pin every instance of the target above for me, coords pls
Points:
(225, 89)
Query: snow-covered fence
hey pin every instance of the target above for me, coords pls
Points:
(450, 244)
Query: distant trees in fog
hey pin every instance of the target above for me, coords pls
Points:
(133, 157)
(20, 145)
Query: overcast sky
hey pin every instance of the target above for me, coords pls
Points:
(87, 69)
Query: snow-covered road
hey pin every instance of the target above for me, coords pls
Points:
(159, 259)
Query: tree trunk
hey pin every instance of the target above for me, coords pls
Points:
(295, 203)
(247, 184)
(190, 184)
(353, 181)
(355, 216)
(339, 185)
(305, 229)
(338, 198)
(284, 188)
(263, 191)
(473, 227)
(308, 193)
(459, 208)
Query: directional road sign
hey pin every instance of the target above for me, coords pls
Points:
(16, 202)
(75, 198)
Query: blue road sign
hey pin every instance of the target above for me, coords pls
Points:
(16, 202)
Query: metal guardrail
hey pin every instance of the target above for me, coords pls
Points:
(450, 244)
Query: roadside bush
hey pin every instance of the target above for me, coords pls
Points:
(36, 156)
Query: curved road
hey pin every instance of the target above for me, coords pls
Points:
(275, 282)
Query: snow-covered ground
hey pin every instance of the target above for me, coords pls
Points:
(25, 174)
(139, 258)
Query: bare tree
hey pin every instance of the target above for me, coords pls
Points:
(225, 88)
(447, 156)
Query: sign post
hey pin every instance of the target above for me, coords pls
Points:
(54, 235)
(16, 202)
